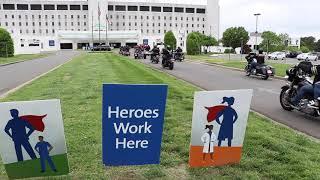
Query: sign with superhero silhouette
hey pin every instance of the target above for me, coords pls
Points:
(218, 127)
(32, 139)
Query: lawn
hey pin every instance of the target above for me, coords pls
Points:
(270, 151)
(280, 68)
(21, 57)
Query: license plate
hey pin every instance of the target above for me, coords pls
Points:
(269, 72)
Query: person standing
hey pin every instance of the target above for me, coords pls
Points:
(44, 148)
(19, 135)
(208, 139)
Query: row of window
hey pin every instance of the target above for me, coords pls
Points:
(159, 18)
(158, 25)
(156, 9)
(45, 16)
(42, 7)
(46, 24)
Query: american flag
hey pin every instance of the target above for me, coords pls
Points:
(99, 12)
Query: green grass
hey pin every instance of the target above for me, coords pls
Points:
(32, 168)
(21, 57)
(270, 151)
(280, 68)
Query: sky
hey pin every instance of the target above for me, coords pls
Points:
(295, 17)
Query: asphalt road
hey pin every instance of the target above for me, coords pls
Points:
(11, 76)
(238, 57)
(266, 93)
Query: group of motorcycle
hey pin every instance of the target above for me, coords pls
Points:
(298, 80)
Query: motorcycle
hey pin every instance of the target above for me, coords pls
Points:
(167, 62)
(155, 59)
(139, 55)
(178, 57)
(296, 79)
(261, 69)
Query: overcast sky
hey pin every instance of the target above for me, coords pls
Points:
(295, 17)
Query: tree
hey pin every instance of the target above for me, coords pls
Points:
(317, 46)
(304, 49)
(209, 41)
(235, 36)
(193, 44)
(170, 39)
(271, 42)
(6, 44)
(308, 42)
(284, 39)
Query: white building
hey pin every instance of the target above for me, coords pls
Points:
(45, 25)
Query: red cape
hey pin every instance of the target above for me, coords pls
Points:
(35, 121)
(213, 112)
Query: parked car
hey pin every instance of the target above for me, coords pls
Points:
(302, 56)
(292, 54)
(101, 48)
(277, 56)
(312, 57)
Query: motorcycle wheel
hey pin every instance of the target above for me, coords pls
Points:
(246, 70)
(171, 66)
(265, 77)
(284, 103)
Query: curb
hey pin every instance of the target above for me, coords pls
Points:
(28, 82)
(226, 67)
(1, 65)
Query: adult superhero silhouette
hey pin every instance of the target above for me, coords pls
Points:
(19, 134)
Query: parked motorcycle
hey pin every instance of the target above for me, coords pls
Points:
(296, 79)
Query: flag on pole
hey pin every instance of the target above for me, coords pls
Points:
(99, 12)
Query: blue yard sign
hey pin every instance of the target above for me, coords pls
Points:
(132, 124)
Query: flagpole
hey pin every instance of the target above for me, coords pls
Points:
(92, 29)
(106, 29)
(99, 23)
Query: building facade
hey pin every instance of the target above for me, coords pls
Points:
(65, 24)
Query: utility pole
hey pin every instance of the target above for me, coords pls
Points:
(99, 14)
(257, 16)
(107, 20)
(241, 52)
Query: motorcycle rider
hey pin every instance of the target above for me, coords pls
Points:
(166, 54)
(155, 51)
(312, 89)
(254, 60)
(178, 52)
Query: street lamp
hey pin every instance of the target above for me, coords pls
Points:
(257, 16)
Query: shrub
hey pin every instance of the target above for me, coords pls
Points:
(170, 39)
(304, 49)
(193, 44)
(6, 44)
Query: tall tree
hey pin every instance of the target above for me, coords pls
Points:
(6, 44)
(170, 39)
(317, 46)
(271, 42)
(233, 37)
(284, 38)
(308, 42)
(193, 44)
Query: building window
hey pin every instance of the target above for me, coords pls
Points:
(75, 7)
(46, 23)
(8, 7)
(52, 17)
(52, 23)
(39, 16)
(156, 9)
(167, 9)
(20, 24)
(12, 23)
(27, 24)
(33, 31)
(179, 9)
(33, 24)
(35, 7)
(53, 31)
(62, 7)
(12, 16)
(132, 8)
(84, 16)
(144, 8)
(201, 11)
(22, 6)
(85, 7)
(84, 23)
(6, 23)
(110, 7)
(49, 7)
(59, 23)
(189, 10)
(71, 16)
(78, 23)
(120, 8)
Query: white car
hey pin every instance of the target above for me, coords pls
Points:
(302, 56)
(312, 57)
(277, 56)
